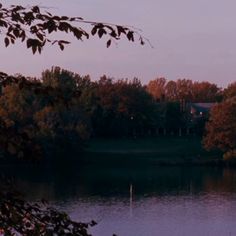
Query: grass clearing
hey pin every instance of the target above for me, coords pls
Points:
(159, 150)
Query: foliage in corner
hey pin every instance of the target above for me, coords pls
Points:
(19, 217)
(34, 25)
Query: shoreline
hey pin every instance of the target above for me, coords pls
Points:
(147, 158)
(164, 151)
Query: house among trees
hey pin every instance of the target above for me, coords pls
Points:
(198, 114)
(199, 110)
(181, 118)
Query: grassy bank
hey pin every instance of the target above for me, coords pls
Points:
(163, 150)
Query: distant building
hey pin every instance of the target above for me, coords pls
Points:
(197, 116)
(189, 119)
(199, 110)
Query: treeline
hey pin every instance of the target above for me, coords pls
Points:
(184, 89)
(60, 111)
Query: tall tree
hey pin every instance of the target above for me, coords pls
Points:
(184, 89)
(221, 128)
(157, 88)
(16, 119)
(171, 91)
(230, 91)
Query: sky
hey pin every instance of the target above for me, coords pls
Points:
(192, 39)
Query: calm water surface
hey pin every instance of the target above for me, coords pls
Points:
(140, 201)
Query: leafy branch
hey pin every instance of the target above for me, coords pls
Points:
(18, 217)
(34, 25)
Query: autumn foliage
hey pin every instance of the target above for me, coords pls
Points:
(184, 89)
(60, 111)
(221, 128)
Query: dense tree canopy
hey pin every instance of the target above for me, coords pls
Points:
(124, 108)
(44, 117)
(67, 109)
(183, 89)
(230, 91)
(157, 88)
(221, 128)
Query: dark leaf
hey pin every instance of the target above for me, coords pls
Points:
(64, 18)
(16, 33)
(101, 31)
(40, 36)
(141, 41)
(65, 42)
(61, 46)
(7, 41)
(64, 26)
(78, 33)
(108, 43)
(130, 36)
(23, 36)
(29, 43)
(36, 9)
(93, 223)
(3, 23)
(39, 49)
(94, 30)
(56, 18)
(120, 30)
(34, 49)
(113, 34)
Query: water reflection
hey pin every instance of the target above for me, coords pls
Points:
(138, 201)
(59, 183)
(131, 200)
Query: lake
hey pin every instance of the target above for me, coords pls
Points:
(138, 201)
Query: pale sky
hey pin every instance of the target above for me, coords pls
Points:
(193, 39)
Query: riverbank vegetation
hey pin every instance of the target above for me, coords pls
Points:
(60, 112)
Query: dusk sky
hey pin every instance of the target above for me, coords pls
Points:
(193, 39)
